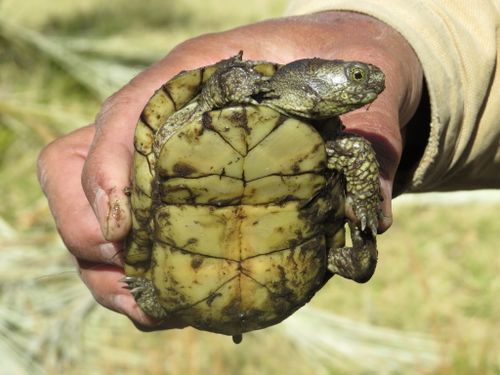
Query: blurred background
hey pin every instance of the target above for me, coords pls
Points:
(431, 308)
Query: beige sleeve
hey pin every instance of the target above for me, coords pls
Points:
(458, 43)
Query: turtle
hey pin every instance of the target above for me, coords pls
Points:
(244, 181)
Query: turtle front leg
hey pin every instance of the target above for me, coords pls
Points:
(354, 158)
(234, 82)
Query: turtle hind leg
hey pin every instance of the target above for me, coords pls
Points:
(357, 262)
(145, 295)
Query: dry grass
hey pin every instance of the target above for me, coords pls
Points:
(431, 308)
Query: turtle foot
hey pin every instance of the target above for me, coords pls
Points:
(365, 212)
(358, 262)
(145, 295)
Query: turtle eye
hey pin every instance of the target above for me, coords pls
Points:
(358, 74)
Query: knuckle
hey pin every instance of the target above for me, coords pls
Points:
(107, 109)
(43, 161)
(126, 97)
(78, 241)
(91, 176)
(49, 153)
(50, 158)
(71, 240)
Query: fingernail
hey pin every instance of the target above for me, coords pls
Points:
(119, 219)
(113, 213)
(111, 253)
(126, 305)
(119, 302)
(385, 222)
(386, 207)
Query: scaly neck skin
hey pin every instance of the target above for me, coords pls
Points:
(321, 89)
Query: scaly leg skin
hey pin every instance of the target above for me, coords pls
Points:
(234, 82)
(145, 295)
(357, 263)
(353, 156)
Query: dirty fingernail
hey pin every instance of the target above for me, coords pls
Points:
(119, 219)
(113, 214)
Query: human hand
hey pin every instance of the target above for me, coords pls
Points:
(84, 174)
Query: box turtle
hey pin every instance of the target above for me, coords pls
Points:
(243, 182)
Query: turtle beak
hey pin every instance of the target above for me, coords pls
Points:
(376, 81)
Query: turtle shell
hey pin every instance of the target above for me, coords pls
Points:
(229, 217)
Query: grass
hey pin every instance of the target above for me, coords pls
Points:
(431, 308)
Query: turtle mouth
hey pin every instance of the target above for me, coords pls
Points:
(369, 96)
(376, 84)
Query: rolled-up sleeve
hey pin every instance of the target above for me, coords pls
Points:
(457, 43)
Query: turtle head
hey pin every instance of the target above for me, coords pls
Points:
(318, 88)
(360, 84)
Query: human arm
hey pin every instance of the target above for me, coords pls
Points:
(454, 142)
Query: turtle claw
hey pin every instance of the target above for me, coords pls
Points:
(134, 285)
(355, 158)
(129, 280)
(364, 213)
(131, 283)
(363, 223)
(368, 221)
(137, 291)
(145, 295)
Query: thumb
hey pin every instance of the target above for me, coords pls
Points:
(106, 173)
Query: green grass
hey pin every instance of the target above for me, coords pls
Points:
(431, 308)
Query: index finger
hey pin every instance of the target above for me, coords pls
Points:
(106, 172)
